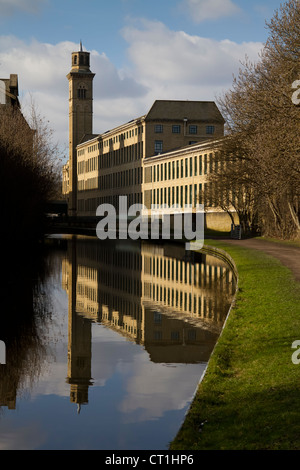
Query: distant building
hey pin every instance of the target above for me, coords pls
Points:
(9, 90)
(13, 123)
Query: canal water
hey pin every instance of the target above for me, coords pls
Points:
(106, 343)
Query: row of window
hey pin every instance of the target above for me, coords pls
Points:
(176, 129)
(119, 179)
(184, 168)
(189, 195)
(91, 204)
(122, 179)
(117, 157)
(91, 183)
(125, 135)
(86, 166)
(123, 155)
(109, 142)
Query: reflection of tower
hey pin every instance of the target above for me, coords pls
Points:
(80, 114)
(79, 340)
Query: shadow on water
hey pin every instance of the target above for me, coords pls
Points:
(25, 312)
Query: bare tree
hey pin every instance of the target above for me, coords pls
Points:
(262, 151)
(28, 166)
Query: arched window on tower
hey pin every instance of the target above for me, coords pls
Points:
(81, 92)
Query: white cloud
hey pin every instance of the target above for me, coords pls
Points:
(42, 70)
(202, 10)
(9, 7)
(161, 64)
(176, 65)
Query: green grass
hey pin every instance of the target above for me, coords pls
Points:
(249, 397)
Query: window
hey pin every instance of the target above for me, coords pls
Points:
(210, 129)
(175, 335)
(157, 317)
(193, 129)
(158, 128)
(176, 129)
(81, 92)
(158, 147)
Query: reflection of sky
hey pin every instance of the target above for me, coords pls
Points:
(128, 398)
(133, 403)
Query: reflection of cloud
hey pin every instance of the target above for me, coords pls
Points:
(53, 381)
(23, 438)
(154, 389)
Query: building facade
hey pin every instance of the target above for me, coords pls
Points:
(127, 160)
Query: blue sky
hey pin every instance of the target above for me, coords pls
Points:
(140, 51)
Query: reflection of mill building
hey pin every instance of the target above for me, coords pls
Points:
(150, 295)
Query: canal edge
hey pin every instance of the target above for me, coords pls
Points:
(223, 255)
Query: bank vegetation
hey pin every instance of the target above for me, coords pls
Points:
(29, 173)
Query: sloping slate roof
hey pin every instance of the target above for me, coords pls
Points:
(193, 110)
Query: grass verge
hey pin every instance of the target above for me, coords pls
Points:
(249, 397)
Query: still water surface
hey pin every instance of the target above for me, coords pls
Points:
(106, 343)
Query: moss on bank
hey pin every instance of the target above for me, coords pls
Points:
(249, 398)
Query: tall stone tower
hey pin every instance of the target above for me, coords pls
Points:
(80, 114)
